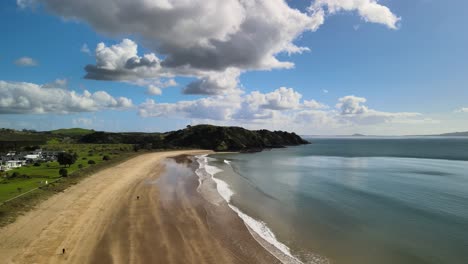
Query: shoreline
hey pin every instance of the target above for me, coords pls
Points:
(257, 229)
(173, 223)
(99, 220)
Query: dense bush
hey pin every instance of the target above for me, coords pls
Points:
(65, 158)
(13, 175)
(106, 158)
(91, 162)
(63, 172)
(37, 164)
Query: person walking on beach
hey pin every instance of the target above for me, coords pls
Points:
(138, 197)
(63, 251)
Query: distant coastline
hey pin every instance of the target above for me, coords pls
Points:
(358, 135)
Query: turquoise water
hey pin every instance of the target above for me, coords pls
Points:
(359, 200)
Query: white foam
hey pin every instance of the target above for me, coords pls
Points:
(226, 193)
(223, 190)
(227, 162)
(212, 170)
(265, 233)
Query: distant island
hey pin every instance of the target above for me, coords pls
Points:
(217, 138)
(454, 134)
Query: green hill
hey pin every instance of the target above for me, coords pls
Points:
(230, 138)
(202, 136)
(72, 131)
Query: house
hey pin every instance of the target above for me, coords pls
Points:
(32, 157)
(50, 155)
(12, 164)
(12, 155)
(13, 159)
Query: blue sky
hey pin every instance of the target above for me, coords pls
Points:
(399, 69)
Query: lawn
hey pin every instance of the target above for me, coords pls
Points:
(31, 176)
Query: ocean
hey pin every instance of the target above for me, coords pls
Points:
(356, 200)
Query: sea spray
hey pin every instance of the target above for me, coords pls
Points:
(206, 171)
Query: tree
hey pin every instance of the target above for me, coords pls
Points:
(65, 158)
(63, 172)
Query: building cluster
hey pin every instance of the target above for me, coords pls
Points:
(13, 159)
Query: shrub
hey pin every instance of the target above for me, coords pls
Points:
(37, 164)
(80, 166)
(65, 158)
(106, 158)
(91, 162)
(63, 172)
(84, 158)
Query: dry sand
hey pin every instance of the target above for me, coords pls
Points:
(100, 220)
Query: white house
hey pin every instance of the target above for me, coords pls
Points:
(32, 157)
(11, 164)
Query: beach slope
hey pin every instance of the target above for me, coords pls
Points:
(100, 220)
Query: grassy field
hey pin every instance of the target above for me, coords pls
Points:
(30, 176)
(10, 210)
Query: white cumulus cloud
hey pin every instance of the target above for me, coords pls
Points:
(351, 105)
(282, 106)
(154, 90)
(213, 41)
(313, 104)
(369, 10)
(352, 109)
(30, 98)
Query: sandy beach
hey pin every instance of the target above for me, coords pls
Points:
(100, 220)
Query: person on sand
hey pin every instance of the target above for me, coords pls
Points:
(138, 197)
(63, 251)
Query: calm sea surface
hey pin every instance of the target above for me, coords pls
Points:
(359, 200)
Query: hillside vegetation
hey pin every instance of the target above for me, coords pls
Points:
(72, 131)
(202, 136)
(216, 138)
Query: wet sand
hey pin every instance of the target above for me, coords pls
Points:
(100, 220)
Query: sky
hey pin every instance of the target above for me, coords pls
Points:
(323, 67)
